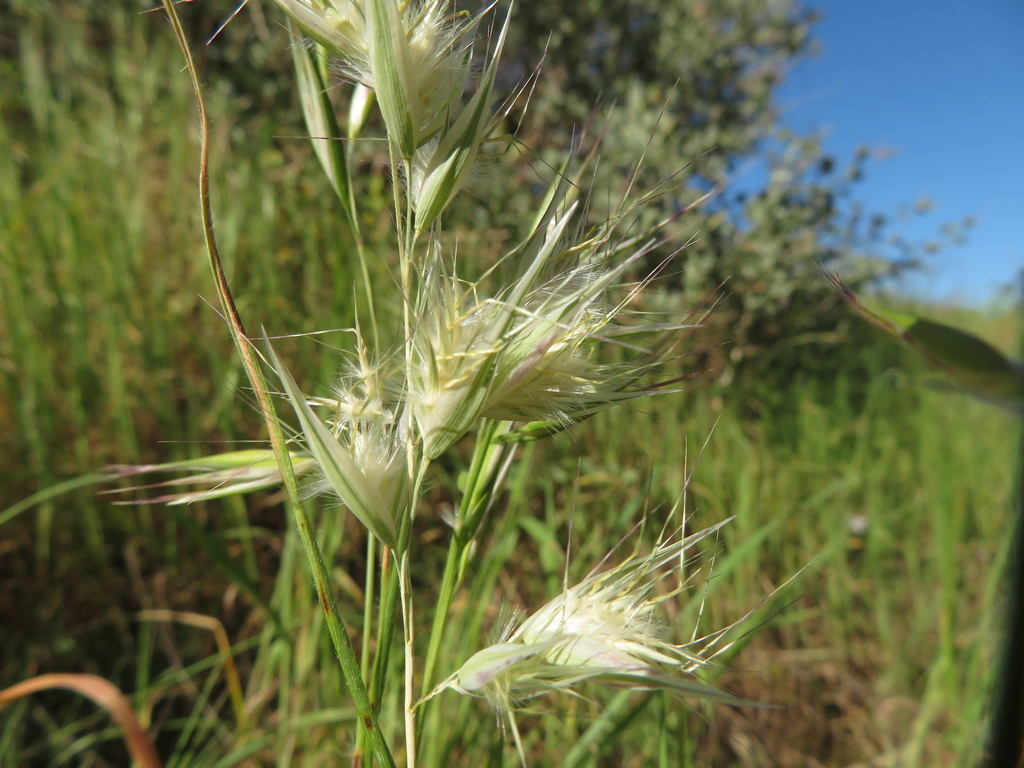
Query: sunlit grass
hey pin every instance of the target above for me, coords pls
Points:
(895, 500)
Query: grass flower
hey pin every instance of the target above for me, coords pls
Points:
(456, 342)
(605, 630)
(224, 474)
(528, 354)
(361, 460)
(414, 55)
(547, 369)
(337, 25)
(362, 417)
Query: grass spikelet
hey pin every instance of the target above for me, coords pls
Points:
(602, 630)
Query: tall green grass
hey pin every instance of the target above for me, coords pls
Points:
(111, 350)
(109, 353)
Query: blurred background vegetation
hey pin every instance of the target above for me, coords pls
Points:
(821, 441)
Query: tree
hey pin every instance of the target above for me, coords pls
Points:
(694, 85)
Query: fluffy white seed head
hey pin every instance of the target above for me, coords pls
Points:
(603, 629)
(455, 344)
(362, 417)
(526, 355)
(420, 56)
(365, 486)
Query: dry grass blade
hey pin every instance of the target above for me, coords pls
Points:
(105, 695)
(223, 645)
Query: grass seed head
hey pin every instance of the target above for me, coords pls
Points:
(366, 487)
(414, 55)
(604, 630)
(222, 474)
(454, 349)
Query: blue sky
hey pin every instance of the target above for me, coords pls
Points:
(938, 87)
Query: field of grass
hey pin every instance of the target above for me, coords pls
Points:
(891, 501)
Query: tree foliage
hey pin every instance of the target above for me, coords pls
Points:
(694, 89)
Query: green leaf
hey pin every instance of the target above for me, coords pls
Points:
(978, 367)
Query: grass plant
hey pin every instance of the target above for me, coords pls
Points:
(890, 494)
